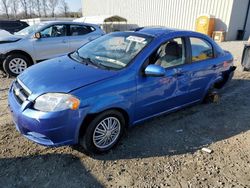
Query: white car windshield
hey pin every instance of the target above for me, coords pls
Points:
(31, 29)
(115, 50)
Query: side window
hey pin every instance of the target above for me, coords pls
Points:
(171, 54)
(201, 49)
(76, 30)
(54, 31)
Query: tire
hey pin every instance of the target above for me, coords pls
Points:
(212, 97)
(90, 140)
(15, 64)
(1, 66)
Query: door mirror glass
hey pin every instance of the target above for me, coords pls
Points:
(37, 35)
(154, 70)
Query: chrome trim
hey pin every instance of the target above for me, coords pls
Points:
(23, 86)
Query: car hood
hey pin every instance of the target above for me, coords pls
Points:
(61, 74)
(10, 38)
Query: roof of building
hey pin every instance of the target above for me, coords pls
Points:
(101, 19)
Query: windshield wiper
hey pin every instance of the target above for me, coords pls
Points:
(108, 67)
(88, 60)
(84, 60)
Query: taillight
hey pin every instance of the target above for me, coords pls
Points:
(227, 64)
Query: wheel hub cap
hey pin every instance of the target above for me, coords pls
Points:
(17, 65)
(106, 132)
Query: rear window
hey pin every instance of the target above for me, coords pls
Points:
(10, 24)
(76, 30)
(201, 49)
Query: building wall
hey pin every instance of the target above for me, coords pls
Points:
(170, 13)
(237, 20)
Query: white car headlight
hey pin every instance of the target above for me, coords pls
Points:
(52, 102)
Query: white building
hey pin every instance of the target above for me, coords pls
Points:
(231, 15)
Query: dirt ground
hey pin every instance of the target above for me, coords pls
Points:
(163, 152)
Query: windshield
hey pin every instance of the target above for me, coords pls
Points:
(113, 51)
(29, 30)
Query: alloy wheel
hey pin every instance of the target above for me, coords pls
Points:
(106, 132)
(17, 65)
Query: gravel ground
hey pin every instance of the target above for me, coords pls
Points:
(163, 152)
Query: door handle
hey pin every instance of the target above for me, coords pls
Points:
(214, 66)
(179, 73)
(63, 41)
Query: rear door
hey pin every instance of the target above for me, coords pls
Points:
(204, 66)
(80, 34)
(53, 42)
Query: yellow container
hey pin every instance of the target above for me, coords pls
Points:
(205, 24)
(219, 36)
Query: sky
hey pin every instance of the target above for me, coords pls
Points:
(74, 5)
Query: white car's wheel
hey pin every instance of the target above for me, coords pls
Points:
(15, 64)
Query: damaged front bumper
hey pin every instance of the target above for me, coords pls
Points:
(45, 128)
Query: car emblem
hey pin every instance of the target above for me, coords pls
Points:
(17, 92)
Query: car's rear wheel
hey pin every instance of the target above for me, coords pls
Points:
(103, 132)
(15, 64)
(212, 96)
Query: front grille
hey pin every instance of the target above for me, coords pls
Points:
(21, 93)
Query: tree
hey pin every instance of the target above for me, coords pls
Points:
(38, 7)
(25, 4)
(5, 7)
(31, 7)
(14, 7)
(64, 7)
(44, 7)
(53, 4)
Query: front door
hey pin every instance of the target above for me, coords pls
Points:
(156, 95)
(53, 42)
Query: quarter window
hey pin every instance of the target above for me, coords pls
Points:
(201, 49)
(76, 30)
(54, 31)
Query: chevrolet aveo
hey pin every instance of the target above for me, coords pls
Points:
(89, 97)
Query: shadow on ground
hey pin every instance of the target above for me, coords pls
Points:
(190, 129)
(50, 170)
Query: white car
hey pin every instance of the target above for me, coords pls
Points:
(43, 41)
(4, 33)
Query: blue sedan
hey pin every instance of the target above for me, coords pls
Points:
(89, 97)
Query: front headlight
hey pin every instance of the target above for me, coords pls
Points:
(52, 102)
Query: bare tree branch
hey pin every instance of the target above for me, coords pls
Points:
(64, 7)
(44, 7)
(38, 6)
(5, 7)
(14, 7)
(53, 4)
(24, 4)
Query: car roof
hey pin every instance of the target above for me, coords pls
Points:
(159, 31)
(68, 22)
(156, 31)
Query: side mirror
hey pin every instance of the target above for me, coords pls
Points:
(37, 35)
(154, 70)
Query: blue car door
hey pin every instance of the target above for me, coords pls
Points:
(53, 42)
(156, 95)
(203, 65)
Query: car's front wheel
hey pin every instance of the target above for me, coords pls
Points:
(15, 64)
(103, 132)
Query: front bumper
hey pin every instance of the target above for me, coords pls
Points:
(46, 128)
